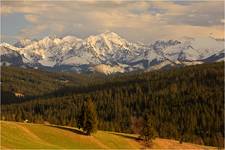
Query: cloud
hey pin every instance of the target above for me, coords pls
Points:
(204, 13)
(26, 7)
(34, 30)
(11, 38)
(135, 20)
(32, 18)
(222, 20)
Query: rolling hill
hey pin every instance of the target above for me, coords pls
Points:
(26, 135)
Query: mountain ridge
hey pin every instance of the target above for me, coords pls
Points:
(109, 53)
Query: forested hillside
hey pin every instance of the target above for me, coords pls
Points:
(184, 103)
(31, 83)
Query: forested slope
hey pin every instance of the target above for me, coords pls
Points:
(183, 103)
(33, 83)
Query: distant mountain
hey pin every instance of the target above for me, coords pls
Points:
(109, 53)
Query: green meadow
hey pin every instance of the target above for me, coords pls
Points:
(28, 135)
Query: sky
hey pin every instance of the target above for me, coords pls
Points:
(143, 21)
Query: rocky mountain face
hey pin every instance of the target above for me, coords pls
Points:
(109, 53)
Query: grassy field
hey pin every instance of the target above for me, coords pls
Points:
(25, 135)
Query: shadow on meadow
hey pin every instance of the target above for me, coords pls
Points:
(126, 136)
(74, 130)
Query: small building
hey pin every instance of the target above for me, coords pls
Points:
(17, 94)
(25, 121)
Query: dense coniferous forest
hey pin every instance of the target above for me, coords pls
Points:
(183, 103)
(35, 83)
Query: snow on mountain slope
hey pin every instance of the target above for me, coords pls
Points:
(188, 49)
(110, 47)
(10, 56)
(71, 39)
(107, 69)
(23, 42)
(207, 46)
(110, 53)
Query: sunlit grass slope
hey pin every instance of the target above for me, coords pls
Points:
(21, 135)
(24, 135)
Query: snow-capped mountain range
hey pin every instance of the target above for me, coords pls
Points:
(109, 53)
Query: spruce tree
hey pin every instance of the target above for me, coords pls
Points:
(81, 117)
(148, 132)
(90, 118)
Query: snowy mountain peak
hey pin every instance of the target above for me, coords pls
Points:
(23, 42)
(6, 45)
(106, 37)
(71, 39)
(107, 43)
(110, 53)
(110, 34)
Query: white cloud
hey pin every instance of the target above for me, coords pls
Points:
(32, 18)
(135, 20)
(34, 30)
(222, 20)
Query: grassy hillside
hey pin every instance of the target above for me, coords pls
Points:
(23, 135)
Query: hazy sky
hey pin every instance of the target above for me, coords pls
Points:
(143, 21)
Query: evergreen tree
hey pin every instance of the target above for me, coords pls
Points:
(90, 118)
(147, 133)
(80, 120)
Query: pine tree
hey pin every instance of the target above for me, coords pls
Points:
(90, 118)
(148, 132)
(81, 117)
